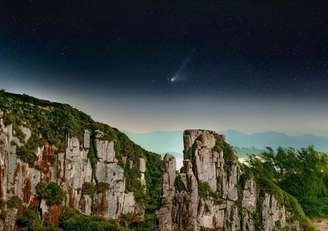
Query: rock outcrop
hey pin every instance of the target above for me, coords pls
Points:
(94, 178)
(71, 170)
(211, 192)
(56, 160)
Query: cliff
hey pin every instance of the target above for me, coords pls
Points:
(61, 170)
(213, 191)
(53, 157)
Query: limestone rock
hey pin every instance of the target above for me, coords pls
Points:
(77, 167)
(86, 139)
(129, 204)
(142, 169)
(249, 205)
(105, 151)
(71, 170)
(273, 213)
(212, 193)
(164, 214)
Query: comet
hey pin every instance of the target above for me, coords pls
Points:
(177, 76)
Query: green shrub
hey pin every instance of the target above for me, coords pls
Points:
(30, 221)
(187, 154)
(14, 202)
(19, 134)
(26, 155)
(74, 221)
(227, 149)
(205, 191)
(102, 187)
(88, 188)
(154, 181)
(133, 184)
(50, 192)
(178, 184)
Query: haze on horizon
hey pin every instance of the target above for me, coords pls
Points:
(250, 67)
(139, 114)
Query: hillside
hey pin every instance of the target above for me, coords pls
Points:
(54, 155)
(61, 170)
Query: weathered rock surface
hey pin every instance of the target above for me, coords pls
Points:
(212, 193)
(70, 169)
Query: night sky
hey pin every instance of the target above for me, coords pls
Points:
(150, 65)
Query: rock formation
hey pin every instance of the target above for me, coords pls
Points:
(211, 192)
(95, 178)
(54, 157)
(71, 170)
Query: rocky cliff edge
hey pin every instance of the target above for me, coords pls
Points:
(212, 191)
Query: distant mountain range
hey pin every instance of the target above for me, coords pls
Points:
(171, 141)
(262, 140)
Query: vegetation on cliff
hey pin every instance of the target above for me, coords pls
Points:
(74, 221)
(52, 123)
(291, 176)
(14, 202)
(205, 191)
(30, 221)
(71, 220)
(265, 185)
(302, 173)
(49, 122)
(50, 192)
(264, 173)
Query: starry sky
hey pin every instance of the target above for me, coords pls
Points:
(256, 65)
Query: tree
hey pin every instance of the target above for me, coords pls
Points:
(302, 173)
